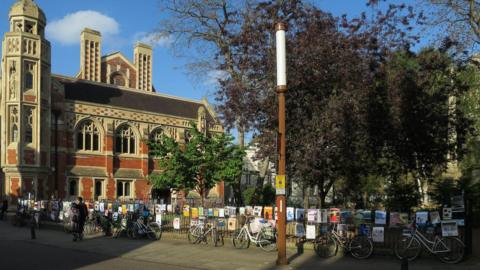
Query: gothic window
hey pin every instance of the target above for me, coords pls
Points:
(125, 141)
(73, 187)
(88, 137)
(29, 76)
(156, 135)
(29, 111)
(99, 190)
(124, 189)
(13, 124)
(29, 27)
(117, 79)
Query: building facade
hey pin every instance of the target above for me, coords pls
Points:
(85, 135)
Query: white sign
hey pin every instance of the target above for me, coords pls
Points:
(378, 234)
(312, 215)
(158, 219)
(311, 234)
(176, 223)
(299, 229)
(449, 228)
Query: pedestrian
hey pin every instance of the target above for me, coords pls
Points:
(83, 214)
(75, 221)
(4, 208)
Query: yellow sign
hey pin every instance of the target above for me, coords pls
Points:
(280, 184)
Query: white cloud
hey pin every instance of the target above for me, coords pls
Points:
(215, 75)
(154, 39)
(67, 30)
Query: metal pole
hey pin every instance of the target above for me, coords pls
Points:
(280, 29)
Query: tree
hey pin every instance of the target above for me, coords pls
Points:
(199, 164)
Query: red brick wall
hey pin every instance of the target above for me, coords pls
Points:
(29, 98)
(87, 188)
(111, 189)
(142, 189)
(86, 160)
(15, 188)
(130, 163)
(123, 68)
(29, 157)
(12, 156)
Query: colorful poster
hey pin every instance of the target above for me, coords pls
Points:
(299, 214)
(395, 219)
(194, 213)
(176, 223)
(268, 213)
(200, 212)
(131, 208)
(248, 210)
(257, 211)
(158, 219)
(115, 216)
(435, 217)
(232, 224)
(241, 210)
(216, 213)
(110, 206)
(101, 207)
(346, 217)
(232, 211)
(378, 234)
(311, 216)
(311, 233)
(119, 210)
(124, 209)
(323, 216)
(334, 215)
(163, 207)
(97, 206)
(458, 205)
(380, 217)
(449, 228)
(290, 213)
(447, 213)
(404, 218)
(186, 211)
(221, 212)
(169, 208)
(299, 229)
(421, 218)
(367, 216)
(364, 229)
(210, 212)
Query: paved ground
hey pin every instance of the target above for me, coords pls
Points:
(56, 250)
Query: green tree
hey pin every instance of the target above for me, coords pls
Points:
(199, 164)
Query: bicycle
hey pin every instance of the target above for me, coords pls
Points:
(265, 237)
(447, 249)
(141, 228)
(359, 246)
(201, 232)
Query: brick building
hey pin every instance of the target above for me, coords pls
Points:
(85, 135)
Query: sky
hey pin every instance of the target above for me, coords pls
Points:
(123, 23)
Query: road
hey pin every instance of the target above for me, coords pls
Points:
(56, 250)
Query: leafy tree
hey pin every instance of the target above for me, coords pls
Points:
(199, 164)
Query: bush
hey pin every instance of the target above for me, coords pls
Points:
(402, 196)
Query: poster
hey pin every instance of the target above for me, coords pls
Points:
(110, 206)
(311, 216)
(299, 214)
(158, 219)
(380, 217)
(115, 216)
(176, 223)
(449, 228)
(366, 216)
(268, 213)
(232, 223)
(434, 217)
(346, 217)
(119, 210)
(158, 211)
(232, 211)
(275, 213)
(378, 234)
(221, 212)
(124, 209)
(311, 233)
(458, 205)
(421, 218)
(248, 210)
(210, 212)
(241, 210)
(163, 207)
(323, 216)
(97, 206)
(216, 213)
(195, 213)
(364, 229)
(404, 218)
(334, 215)
(131, 208)
(186, 211)
(200, 212)
(299, 229)
(395, 219)
(447, 213)
(169, 208)
(257, 211)
(290, 213)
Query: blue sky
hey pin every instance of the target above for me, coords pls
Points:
(124, 22)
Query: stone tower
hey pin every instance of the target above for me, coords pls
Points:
(143, 63)
(25, 103)
(90, 55)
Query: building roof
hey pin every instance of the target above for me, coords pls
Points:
(107, 94)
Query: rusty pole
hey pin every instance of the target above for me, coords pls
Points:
(281, 202)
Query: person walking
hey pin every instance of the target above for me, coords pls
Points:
(75, 221)
(4, 209)
(83, 214)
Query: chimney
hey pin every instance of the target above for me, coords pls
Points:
(143, 63)
(90, 55)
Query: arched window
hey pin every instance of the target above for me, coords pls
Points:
(156, 135)
(28, 80)
(88, 137)
(125, 141)
(118, 79)
(72, 187)
(28, 125)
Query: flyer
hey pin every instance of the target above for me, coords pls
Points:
(102, 207)
(311, 216)
(210, 212)
(176, 223)
(268, 212)
(299, 214)
(195, 213)
(403, 218)
(221, 212)
(421, 218)
(311, 233)
(447, 213)
(334, 215)
(435, 217)
(380, 217)
(378, 234)
(241, 210)
(248, 210)
(200, 212)
(232, 211)
(131, 207)
(216, 213)
(346, 217)
(290, 213)
(158, 219)
(449, 228)
(324, 216)
(232, 224)
(299, 229)
(186, 211)
(257, 211)
(395, 219)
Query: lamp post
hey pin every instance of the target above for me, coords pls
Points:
(280, 29)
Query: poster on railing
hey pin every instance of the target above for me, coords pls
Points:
(257, 211)
(232, 223)
(380, 217)
(395, 219)
(334, 215)
(447, 213)
(299, 214)
(200, 212)
(421, 218)
(163, 207)
(290, 213)
(158, 219)
(275, 213)
(458, 205)
(186, 211)
(404, 218)
(131, 207)
(378, 234)
(115, 216)
(299, 229)
(268, 212)
(232, 211)
(346, 217)
(435, 217)
(221, 212)
(210, 212)
(176, 223)
(323, 216)
(312, 215)
(169, 208)
(248, 210)
(194, 213)
(241, 211)
(311, 233)
(449, 228)
(124, 209)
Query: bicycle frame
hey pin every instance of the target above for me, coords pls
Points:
(428, 244)
(253, 238)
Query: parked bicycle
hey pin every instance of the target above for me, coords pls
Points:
(142, 227)
(265, 236)
(202, 232)
(326, 245)
(447, 249)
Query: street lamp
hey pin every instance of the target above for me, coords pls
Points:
(280, 29)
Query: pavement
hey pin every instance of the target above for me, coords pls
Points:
(55, 250)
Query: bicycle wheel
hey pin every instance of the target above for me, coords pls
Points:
(267, 240)
(325, 246)
(154, 231)
(407, 248)
(450, 250)
(193, 235)
(361, 247)
(240, 239)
